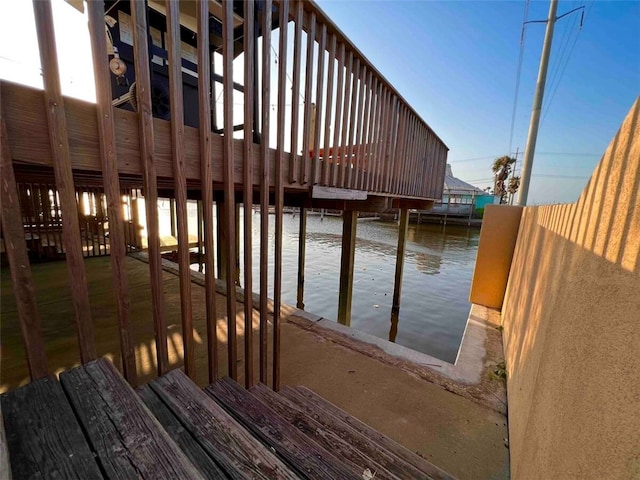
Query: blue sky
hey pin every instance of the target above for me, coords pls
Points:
(455, 62)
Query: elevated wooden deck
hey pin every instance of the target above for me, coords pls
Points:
(92, 424)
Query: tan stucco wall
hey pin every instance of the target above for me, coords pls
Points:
(571, 319)
(495, 251)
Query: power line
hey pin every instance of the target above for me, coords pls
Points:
(518, 75)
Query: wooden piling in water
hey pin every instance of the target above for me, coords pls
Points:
(402, 242)
(347, 259)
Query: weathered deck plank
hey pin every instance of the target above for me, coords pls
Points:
(128, 440)
(189, 445)
(43, 436)
(313, 402)
(239, 454)
(323, 431)
(306, 457)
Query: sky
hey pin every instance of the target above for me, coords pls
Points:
(456, 64)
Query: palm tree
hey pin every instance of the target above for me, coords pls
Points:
(502, 169)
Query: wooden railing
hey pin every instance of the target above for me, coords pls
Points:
(352, 131)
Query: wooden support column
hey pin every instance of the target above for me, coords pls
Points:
(222, 239)
(229, 193)
(402, 241)
(180, 182)
(302, 243)
(149, 178)
(106, 134)
(59, 141)
(347, 260)
(247, 184)
(16, 250)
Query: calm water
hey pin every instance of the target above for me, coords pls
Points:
(437, 277)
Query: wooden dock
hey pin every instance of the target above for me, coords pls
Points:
(92, 424)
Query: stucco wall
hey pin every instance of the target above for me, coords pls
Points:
(571, 319)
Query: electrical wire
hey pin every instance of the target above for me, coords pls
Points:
(518, 75)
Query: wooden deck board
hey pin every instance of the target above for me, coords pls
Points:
(322, 431)
(240, 454)
(305, 456)
(189, 445)
(313, 402)
(128, 440)
(44, 438)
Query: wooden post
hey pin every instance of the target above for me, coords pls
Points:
(308, 84)
(302, 239)
(21, 278)
(295, 92)
(236, 263)
(200, 232)
(229, 193)
(322, 45)
(247, 194)
(349, 224)
(106, 133)
(58, 137)
(402, 241)
(180, 182)
(149, 179)
(222, 239)
(172, 216)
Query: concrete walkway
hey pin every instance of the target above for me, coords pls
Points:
(456, 433)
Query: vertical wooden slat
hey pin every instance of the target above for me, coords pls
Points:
(322, 179)
(180, 181)
(149, 179)
(366, 135)
(376, 135)
(229, 197)
(247, 162)
(322, 45)
(308, 85)
(345, 119)
(403, 148)
(111, 182)
(295, 93)
(407, 153)
(16, 251)
(264, 187)
(400, 148)
(352, 123)
(392, 145)
(57, 123)
(206, 166)
(358, 160)
(277, 274)
(333, 174)
(385, 140)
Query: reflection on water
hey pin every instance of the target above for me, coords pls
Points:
(437, 276)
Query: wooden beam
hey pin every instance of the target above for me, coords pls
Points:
(149, 180)
(111, 182)
(229, 197)
(248, 41)
(283, 14)
(402, 242)
(19, 266)
(180, 181)
(332, 193)
(264, 190)
(204, 119)
(58, 138)
(302, 243)
(347, 261)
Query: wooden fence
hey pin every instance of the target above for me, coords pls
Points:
(352, 131)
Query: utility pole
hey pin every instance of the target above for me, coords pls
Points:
(537, 106)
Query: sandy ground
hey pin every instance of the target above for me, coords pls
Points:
(458, 434)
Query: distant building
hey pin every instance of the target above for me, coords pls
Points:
(460, 197)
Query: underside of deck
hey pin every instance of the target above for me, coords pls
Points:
(92, 424)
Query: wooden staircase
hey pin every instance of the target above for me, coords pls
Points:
(92, 424)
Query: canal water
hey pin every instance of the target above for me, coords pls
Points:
(437, 276)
